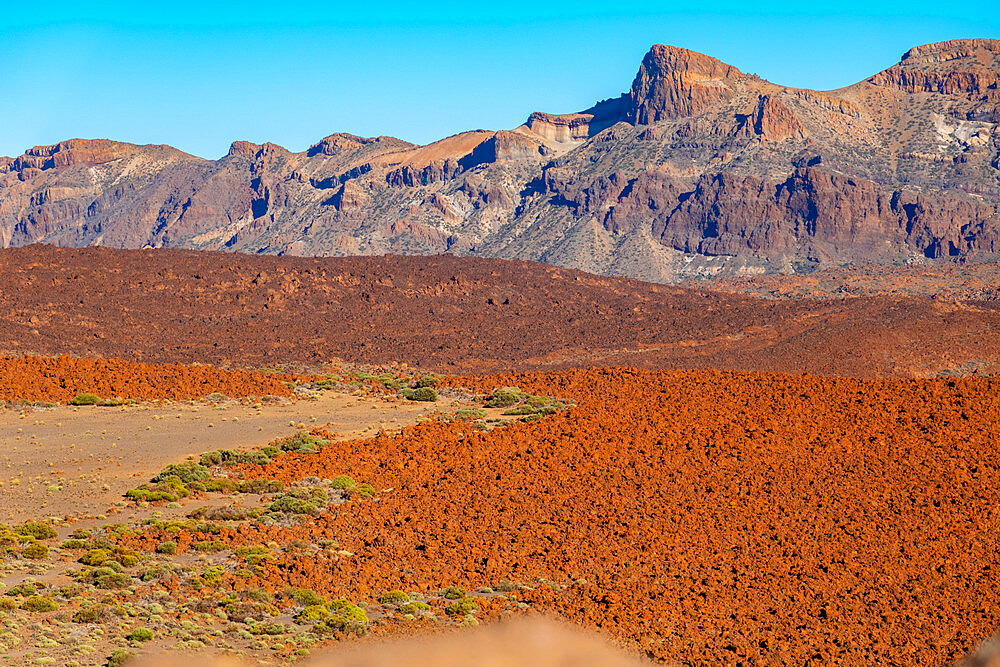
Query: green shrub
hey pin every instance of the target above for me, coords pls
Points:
(112, 402)
(38, 603)
(129, 559)
(413, 607)
(36, 529)
(221, 485)
(74, 544)
(95, 557)
(24, 589)
(210, 545)
(270, 629)
(394, 597)
(427, 394)
(141, 495)
(453, 593)
(211, 458)
(363, 490)
(520, 410)
(506, 397)
(303, 443)
(262, 486)
(119, 657)
(140, 635)
(308, 597)
(169, 548)
(85, 399)
(36, 551)
(429, 380)
(312, 614)
(95, 613)
(347, 617)
(8, 541)
(113, 581)
(342, 482)
(186, 472)
(461, 608)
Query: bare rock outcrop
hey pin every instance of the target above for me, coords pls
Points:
(676, 82)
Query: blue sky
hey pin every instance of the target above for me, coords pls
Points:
(198, 75)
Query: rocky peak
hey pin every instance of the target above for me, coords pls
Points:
(674, 82)
(68, 153)
(955, 67)
(342, 142)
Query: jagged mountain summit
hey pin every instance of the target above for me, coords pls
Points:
(698, 169)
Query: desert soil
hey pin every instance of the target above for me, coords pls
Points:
(65, 460)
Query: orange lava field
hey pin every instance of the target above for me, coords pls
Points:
(698, 517)
(62, 378)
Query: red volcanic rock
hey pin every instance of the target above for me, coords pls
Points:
(62, 378)
(676, 82)
(771, 121)
(340, 143)
(68, 153)
(452, 314)
(814, 212)
(700, 517)
(560, 127)
(956, 67)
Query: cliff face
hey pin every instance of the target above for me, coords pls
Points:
(676, 82)
(697, 169)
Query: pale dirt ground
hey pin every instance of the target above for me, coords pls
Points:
(66, 461)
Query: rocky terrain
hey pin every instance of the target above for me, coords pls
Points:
(458, 315)
(692, 517)
(699, 169)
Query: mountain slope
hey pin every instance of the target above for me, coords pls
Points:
(698, 169)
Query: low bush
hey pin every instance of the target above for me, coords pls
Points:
(303, 443)
(506, 397)
(308, 597)
(95, 557)
(187, 472)
(262, 486)
(270, 629)
(461, 608)
(168, 548)
(85, 399)
(140, 635)
(342, 482)
(347, 617)
(426, 394)
(119, 658)
(36, 551)
(394, 597)
(413, 607)
(429, 380)
(36, 529)
(24, 589)
(95, 613)
(363, 490)
(453, 593)
(38, 603)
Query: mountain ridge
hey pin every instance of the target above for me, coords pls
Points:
(698, 169)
